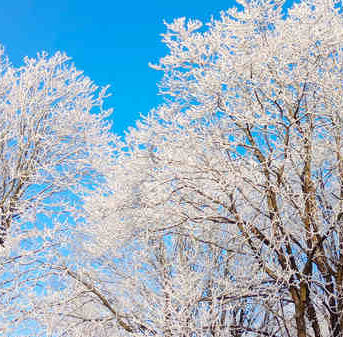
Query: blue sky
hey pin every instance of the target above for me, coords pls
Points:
(111, 40)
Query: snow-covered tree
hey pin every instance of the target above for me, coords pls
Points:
(224, 214)
(54, 148)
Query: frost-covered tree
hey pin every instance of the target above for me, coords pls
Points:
(54, 148)
(224, 210)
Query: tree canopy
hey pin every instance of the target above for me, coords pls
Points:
(221, 212)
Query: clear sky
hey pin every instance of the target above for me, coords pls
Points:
(111, 40)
